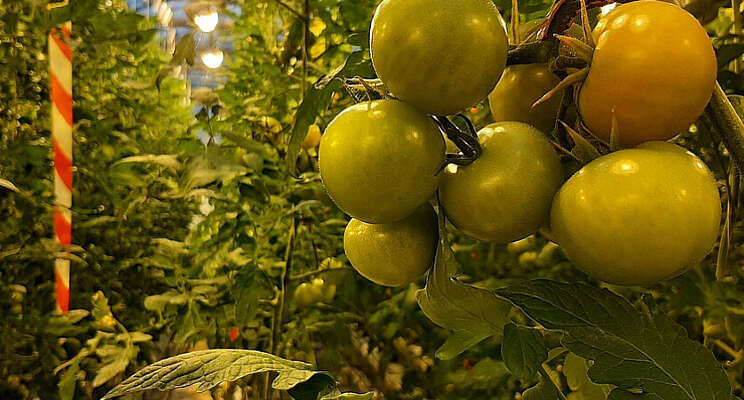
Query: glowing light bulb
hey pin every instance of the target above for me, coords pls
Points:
(207, 22)
(213, 58)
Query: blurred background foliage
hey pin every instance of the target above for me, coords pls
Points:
(190, 231)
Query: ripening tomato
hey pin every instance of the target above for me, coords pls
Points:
(654, 67)
(312, 139)
(506, 193)
(379, 160)
(638, 216)
(521, 86)
(441, 56)
(393, 254)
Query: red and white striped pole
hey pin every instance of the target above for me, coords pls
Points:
(60, 75)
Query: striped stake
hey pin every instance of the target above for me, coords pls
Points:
(60, 75)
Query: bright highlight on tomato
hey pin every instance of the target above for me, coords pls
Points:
(393, 254)
(506, 193)
(441, 56)
(654, 67)
(379, 160)
(638, 216)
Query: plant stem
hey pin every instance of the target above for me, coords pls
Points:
(736, 8)
(546, 377)
(305, 37)
(728, 125)
(277, 321)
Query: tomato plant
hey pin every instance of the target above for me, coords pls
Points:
(212, 249)
(393, 254)
(427, 56)
(638, 216)
(379, 160)
(506, 193)
(521, 86)
(654, 91)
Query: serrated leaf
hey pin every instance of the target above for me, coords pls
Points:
(472, 314)
(523, 350)
(541, 391)
(209, 368)
(317, 99)
(630, 349)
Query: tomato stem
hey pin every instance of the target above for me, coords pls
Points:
(727, 124)
(467, 142)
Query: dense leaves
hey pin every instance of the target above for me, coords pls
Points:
(630, 348)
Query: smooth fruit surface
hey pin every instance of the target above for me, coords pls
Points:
(393, 254)
(654, 65)
(638, 216)
(506, 193)
(379, 160)
(441, 56)
(519, 87)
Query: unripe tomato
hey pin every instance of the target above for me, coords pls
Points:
(303, 295)
(441, 56)
(312, 138)
(393, 254)
(638, 216)
(654, 65)
(506, 193)
(379, 160)
(521, 86)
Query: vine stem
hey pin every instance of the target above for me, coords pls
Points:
(728, 124)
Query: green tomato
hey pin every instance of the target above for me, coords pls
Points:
(654, 69)
(393, 254)
(521, 86)
(380, 160)
(638, 216)
(506, 193)
(303, 295)
(441, 56)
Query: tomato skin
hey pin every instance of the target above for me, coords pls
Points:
(638, 216)
(379, 160)
(654, 65)
(506, 193)
(393, 254)
(521, 86)
(427, 55)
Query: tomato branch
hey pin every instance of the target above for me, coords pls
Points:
(728, 125)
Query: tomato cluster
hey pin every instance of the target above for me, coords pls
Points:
(634, 216)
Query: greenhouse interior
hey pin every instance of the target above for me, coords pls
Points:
(371, 199)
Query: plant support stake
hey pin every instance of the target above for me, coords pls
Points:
(60, 76)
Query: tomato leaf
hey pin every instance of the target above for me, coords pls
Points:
(541, 391)
(209, 368)
(472, 314)
(318, 97)
(523, 350)
(630, 349)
